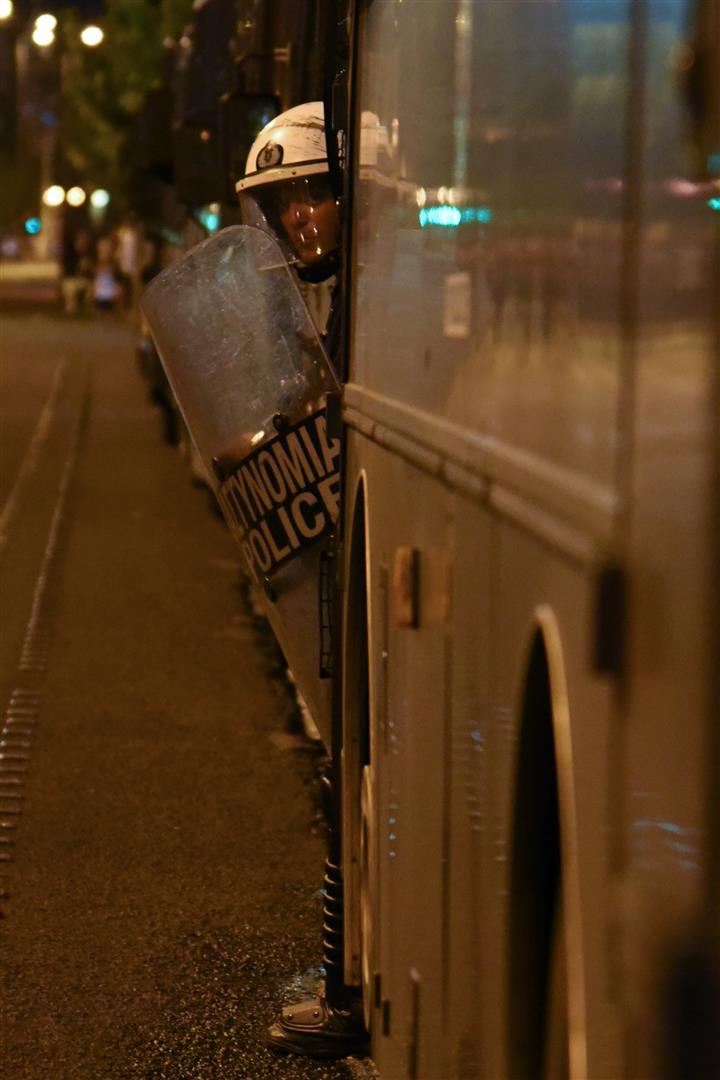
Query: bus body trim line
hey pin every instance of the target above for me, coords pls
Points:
(448, 450)
(577, 545)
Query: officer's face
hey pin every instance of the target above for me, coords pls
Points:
(309, 215)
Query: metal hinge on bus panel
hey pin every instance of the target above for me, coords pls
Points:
(386, 1017)
(610, 620)
(406, 588)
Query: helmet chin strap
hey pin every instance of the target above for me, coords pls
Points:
(321, 270)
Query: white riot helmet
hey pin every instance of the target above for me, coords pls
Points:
(286, 190)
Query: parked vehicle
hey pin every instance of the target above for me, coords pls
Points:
(524, 720)
(530, 839)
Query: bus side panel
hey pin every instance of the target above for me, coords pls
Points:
(533, 590)
(671, 565)
(407, 510)
(444, 747)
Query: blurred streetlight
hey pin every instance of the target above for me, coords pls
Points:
(46, 22)
(76, 196)
(91, 36)
(54, 195)
(100, 198)
(44, 30)
(43, 36)
(6, 9)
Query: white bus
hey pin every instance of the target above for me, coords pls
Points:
(531, 714)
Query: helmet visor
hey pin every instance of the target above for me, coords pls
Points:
(300, 212)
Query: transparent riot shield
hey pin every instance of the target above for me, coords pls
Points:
(250, 375)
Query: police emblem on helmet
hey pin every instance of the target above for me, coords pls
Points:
(271, 154)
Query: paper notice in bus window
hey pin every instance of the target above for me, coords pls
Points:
(457, 305)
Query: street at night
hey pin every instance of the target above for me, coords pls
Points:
(359, 539)
(161, 833)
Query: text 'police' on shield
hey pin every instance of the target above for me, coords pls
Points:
(284, 496)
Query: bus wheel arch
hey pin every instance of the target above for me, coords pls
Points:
(545, 1013)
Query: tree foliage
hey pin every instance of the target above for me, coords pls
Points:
(104, 88)
(175, 16)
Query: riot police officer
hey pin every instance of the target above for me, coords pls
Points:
(287, 192)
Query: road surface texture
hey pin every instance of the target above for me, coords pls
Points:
(162, 846)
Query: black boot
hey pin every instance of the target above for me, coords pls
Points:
(317, 1029)
(331, 1026)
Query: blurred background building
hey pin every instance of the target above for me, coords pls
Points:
(141, 106)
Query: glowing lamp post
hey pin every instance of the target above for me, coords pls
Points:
(6, 10)
(75, 196)
(47, 235)
(100, 198)
(53, 196)
(43, 34)
(99, 202)
(92, 36)
(42, 37)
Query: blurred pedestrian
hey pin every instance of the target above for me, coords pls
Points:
(107, 290)
(78, 269)
(151, 261)
(128, 257)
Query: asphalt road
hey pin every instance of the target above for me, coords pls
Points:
(162, 850)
